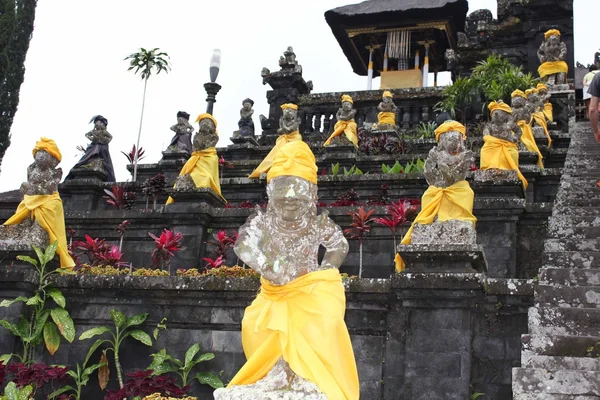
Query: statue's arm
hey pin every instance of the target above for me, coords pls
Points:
(541, 53)
(486, 130)
(352, 114)
(332, 238)
(563, 51)
(249, 244)
(174, 128)
(90, 135)
(108, 137)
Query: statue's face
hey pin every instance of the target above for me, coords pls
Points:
(453, 142)
(517, 102)
(553, 42)
(291, 198)
(181, 120)
(45, 160)
(99, 125)
(346, 106)
(387, 100)
(500, 117)
(206, 126)
(289, 113)
(247, 106)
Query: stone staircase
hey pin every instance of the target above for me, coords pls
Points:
(560, 357)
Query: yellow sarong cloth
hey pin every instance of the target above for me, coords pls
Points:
(348, 128)
(303, 322)
(548, 112)
(203, 166)
(265, 165)
(48, 211)
(540, 118)
(453, 202)
(529, 141)
(386, 118)
(552, 67)
(501, 154)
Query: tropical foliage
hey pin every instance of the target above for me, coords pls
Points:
(359, 229)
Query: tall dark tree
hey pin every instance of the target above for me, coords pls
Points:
(16, 28)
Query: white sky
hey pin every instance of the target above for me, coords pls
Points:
(75, 67)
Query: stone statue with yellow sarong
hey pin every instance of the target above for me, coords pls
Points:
(386, 119)
(538, 119)
(446, 215)
(522, 117)
(499, 154)
(202, 169)
(552, 54)
(545, 96)
(345, 129)
(289, 123)
(293, 334)
(39, 218)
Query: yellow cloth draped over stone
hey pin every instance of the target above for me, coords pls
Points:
(294, 159)
(501, 154)
(549, 112)
(203, 167)
(303, 322)
(265, 165)
(552, 67)
(453, 202)
(349, 128)
(540, 118)
(386, 118)
(529, 141)
(48, 211)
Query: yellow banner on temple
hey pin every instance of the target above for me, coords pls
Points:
(453, 202)
(48, 211)
(303, 322)
(409, 78)
(552, 67)
(501, 154)
(540, 118)
(348, 128)
(529, 141)
(549, 112)
(265, 165)
(203, 167)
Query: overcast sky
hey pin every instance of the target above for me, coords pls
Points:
(75, 67)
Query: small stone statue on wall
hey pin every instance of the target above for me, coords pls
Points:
(522, 117)
(552, 54)
(97, 155)
(386, 119)
(245, 124)
(545, 98)
(299, 311)
(39, 218)
(538, 121)
(182, 141)
(345, 125)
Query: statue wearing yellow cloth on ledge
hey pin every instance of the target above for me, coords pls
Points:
(386, 119)
(449, 196)
(289, 123)
(41, 202)
(545, 99)
(552, 54)
(293, 334)
(500, 140)
(522, 117)
(202, 169)
(538, 119)
(345, 124)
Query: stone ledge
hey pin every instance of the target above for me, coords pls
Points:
(427, 258)
(513, 287)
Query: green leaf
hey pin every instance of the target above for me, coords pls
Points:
(57, 296)
(11, 391)
(8, 303)
(39, 253)
(205, 357)
(191, 353)
(141, 336)
(11, 327)
(136, 320)
(335, 168)
(160, 358)
(63, 321)
(28, 260)
(357, 171)
(25, 393)
(73, 374)
(118, 318)
(40, 321)
(92, 349)
(92, 368)
(50, 251)
(90, 333)
(5, 358)
(161, 369)
(32, 301)
(207, 378)
(60, 391)
(51, 337)
(385, 169)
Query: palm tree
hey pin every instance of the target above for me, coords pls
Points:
(146, 62)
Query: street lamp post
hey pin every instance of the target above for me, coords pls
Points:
(212, 88)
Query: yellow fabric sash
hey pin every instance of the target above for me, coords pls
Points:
(548, 111)
(501, 154)
(552, 67)
(303, 322)
(541, 121)
(265, 165)
(48, 211)
(453, 202)
(386, 118)
(203, 166)
(529, 141)
(348, 128)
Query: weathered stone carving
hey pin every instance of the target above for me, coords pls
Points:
(502, 125)
(522, 118)
(449, 161)
(182, 141)
(386, 119)
(552, 54)
(345, 129)
(245, 124)
(538, 121)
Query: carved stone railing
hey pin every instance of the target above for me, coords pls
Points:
(318, 110)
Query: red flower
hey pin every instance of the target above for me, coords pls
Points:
(167, 245)
(210, 263)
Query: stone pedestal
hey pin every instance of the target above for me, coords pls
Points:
(173, 158)
(84, 190)
(199, 195)
(17, 240)
(496, 176)
(249, 140)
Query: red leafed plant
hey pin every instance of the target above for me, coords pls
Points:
(223, 163)
(398, 213)
(120, 197)
(143, 383)
(121, 229)
(359, 229)
(210, 263)
(222, 243)
(349, 198)
(100, 253)
(167, 245)
(131, 155)
(36, 374)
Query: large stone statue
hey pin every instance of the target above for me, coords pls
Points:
(522, 117)
(202, 168)
(345, 124)
(182, 141)
(538, 119)
(386, 119)
(500, 140)
(97, 155)
(293, 334)
(449, 197)
(245, 124)
(289, 123)
(41, 205)
(552, 54)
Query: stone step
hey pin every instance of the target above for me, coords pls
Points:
(576, 211)
(546, 396)
(564, 382)
(567, 296)
(569, 277)
(558, 231)
(555, 363)
(564, 321)
(571, 259)
(579, 200)
(558, 345)
(572, 245)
